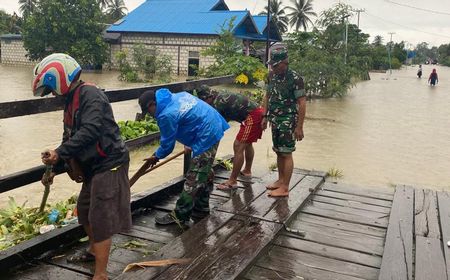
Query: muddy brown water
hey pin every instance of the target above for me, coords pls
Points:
(389, 130)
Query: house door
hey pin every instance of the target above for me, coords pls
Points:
(193, 63)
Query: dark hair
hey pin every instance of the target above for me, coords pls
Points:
(145, 99)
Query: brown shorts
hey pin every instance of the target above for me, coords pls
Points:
(104, 203)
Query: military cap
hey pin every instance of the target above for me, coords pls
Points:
(277, 56)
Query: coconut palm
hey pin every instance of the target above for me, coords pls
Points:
(377, 41)
(103, 3)
(278, 16)
(27, 7)
(116, 9)
(300, 14)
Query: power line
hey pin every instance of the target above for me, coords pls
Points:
(407, 27)
(418, 8)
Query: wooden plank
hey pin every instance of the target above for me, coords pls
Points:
(48, 272)
(261, 273)
(328, 251)
(351, 204)
(354, 218)
(119, 256)
(426, 214)
(147, 219)
(240, 201)
(381, 193)
(291, 260)
(170, 203)
(348, 210)
(397, 262)
(225, 174)
(444, 218)
(149, 233)
(340, 238)
(344, 196)
(262, 205)
(298, 196)
(225, 260)
(430, 262)
(331, 223)
(307, 172)
(42, 105)
(181, 245)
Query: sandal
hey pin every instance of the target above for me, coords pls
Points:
(226, 186)
(81, 257)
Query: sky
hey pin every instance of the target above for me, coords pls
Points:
(412, 21)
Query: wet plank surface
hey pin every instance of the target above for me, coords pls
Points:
(397, 258)
(321, 231)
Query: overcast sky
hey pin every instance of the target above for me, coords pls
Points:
(413, 21)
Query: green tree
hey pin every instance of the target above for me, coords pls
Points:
(227, 45)
(27, 7)
(116, 10)
(300, 14)
(277, 15)
(334, 15)
(67, 26)
(377, 41)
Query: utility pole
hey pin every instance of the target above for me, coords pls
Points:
(345, 36)
(268, 33)
(359, 11)
(389, 52)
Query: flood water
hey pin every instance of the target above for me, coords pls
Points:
(389, 130)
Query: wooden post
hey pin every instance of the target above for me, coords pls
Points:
(187, 161)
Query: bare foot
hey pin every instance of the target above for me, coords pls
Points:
(275, 185)
(279, 192)
(228, 185)
(245, 175)
(102, 276)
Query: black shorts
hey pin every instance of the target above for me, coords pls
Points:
(104, 203)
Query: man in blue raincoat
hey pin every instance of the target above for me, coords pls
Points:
(184, 118)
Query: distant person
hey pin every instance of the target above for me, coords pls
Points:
(92, 138)
(419, 72)
(433, 79)
(184, 118)
(237, 107)
(285, 108)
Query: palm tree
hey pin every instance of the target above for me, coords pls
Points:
(103, 3)
(27, 7)
(278, 16)
(116, 9)
(300, 14)
(377, 41)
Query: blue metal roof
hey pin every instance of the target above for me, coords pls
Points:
(261, 22)
(205, 17)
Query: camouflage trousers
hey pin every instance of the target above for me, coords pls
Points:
(283, 134)
(198, 185)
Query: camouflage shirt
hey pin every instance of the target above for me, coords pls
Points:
(283, 93)
(233, 106)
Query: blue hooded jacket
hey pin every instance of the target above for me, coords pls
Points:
(184, 118)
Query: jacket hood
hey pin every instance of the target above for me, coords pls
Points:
(163, 98)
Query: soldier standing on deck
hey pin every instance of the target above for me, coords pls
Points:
(284, 107)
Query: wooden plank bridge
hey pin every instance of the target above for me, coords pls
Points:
(322, 231)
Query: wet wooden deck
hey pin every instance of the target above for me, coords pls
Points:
(322, 231)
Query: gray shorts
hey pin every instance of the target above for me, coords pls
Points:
(104, 203)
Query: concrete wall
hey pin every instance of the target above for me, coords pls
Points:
(177, 47)
(13, 52)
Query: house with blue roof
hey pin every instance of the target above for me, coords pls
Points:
(183, 28)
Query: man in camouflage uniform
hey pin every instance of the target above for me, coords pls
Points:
(239, 108)
(284, 107)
